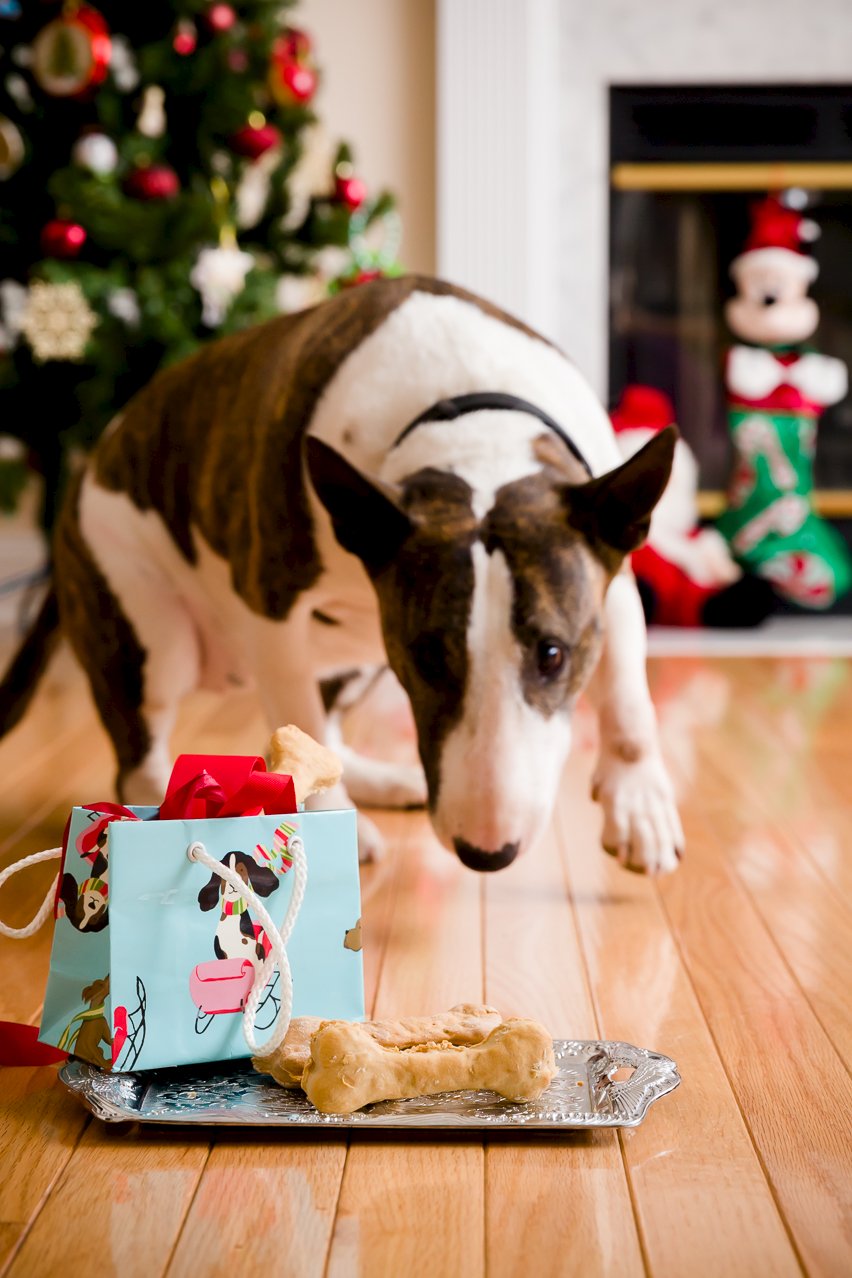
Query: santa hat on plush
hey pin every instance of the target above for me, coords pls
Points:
(777, 237)
(644, 410)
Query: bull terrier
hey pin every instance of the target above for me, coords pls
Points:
(403, 475)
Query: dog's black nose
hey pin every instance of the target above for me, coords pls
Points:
(769, 299)
(476, 859)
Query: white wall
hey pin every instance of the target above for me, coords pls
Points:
(377, 59)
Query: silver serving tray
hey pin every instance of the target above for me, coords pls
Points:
(583, 1094)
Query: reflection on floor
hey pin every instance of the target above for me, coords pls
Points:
(811, 636)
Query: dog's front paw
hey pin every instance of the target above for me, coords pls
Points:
(641, 823)
(376, 784)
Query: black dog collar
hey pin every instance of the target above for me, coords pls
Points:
(447, 410)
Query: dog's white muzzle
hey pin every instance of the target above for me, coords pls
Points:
(497, 790)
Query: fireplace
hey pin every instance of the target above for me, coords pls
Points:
(686, 165)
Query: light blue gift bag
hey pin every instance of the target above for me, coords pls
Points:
(167, 931)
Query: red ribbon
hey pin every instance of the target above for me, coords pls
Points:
(222, 785)
(201, 785)
(19, 1045)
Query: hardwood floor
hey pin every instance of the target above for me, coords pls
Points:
(739, 966)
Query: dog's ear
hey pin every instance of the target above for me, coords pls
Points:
(70, 898)
(263, 880)
(368, 522)
(208, 897)
(614, 510)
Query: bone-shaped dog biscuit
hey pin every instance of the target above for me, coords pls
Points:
(464, 1024)
(311, 765)
(349, 1069)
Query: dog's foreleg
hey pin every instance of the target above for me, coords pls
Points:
(372, 783)
(641, 823)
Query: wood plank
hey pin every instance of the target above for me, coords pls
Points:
(788, 1080)
(809, 924)
(409, 1207)
(40, 1127)
(262, 1206)
(418, 1206)
(116, 1209)
(782, 753)
(699, 1191)
(549, 1203)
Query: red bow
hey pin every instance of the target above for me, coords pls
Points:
(220, 785)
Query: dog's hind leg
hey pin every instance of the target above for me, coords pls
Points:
(641, 823)
(136, 643)
(372, 783)
(170, 671)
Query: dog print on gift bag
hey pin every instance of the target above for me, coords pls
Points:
(87, 1033)
(221, 987)
(237, 936)
(86, 904)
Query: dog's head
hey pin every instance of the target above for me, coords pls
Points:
(492, 621)
(259, 877)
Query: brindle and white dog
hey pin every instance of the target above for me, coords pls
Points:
(406, 471)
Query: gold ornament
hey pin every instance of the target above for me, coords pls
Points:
(71, 54)
(57, 321)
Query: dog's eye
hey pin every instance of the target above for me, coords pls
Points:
(550, 657)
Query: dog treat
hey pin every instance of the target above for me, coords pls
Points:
(287, 1063)
(311, 765)
(464, 1024)
(349, 1068)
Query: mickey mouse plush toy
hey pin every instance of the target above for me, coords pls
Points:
(777, 387)
(686, 574)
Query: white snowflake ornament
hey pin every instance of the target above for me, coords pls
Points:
(57, 321)
(219, 275)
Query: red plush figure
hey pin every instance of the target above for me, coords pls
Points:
(686, 574)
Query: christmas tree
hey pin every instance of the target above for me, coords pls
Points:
(163, 180)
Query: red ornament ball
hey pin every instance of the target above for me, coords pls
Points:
(185, 40)
(351, 191)
(60, 238)
(296, 44)
(253, 141)
(157, 182)
(291, 83)
(220, 18)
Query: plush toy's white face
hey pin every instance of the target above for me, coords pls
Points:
(772, 307)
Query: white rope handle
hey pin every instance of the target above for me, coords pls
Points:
(278, 939)
(21, 933)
